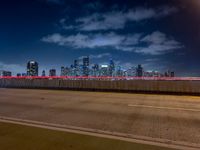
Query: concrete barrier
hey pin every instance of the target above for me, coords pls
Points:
(149, 86)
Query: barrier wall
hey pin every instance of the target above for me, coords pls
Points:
(150, 86)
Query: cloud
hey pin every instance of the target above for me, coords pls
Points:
(156, 43)
(100, 55)
(117, 19)
(152, 60)
(111, 20)
(128, 65)
(85, 41)
(97, 56)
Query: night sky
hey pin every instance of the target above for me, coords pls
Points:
(159, 34)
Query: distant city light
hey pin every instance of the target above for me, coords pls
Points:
(104, 66)
(82, 68)
(104, 78)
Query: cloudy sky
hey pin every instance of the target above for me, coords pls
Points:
(160, 35)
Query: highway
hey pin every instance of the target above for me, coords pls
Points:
(160, 118)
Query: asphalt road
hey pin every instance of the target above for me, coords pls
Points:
(170, 119)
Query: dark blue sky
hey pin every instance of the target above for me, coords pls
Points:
(161, 35)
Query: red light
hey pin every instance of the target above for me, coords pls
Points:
(106, 77)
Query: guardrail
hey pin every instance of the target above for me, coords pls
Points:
(106, 78)
(177, 85)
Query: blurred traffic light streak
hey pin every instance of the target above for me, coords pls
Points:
(105, 78)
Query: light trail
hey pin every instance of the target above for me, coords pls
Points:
(105, 78)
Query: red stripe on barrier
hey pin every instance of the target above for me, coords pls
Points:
(105, 77)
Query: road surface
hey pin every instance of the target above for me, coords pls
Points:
(165, 118)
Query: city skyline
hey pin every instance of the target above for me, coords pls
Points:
(82, 67)
(160, 35)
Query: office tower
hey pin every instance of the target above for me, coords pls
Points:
(139, 71)
(43, 73)
(95, 70)
(76, 63)
(76, 68)
(52, 72)
(172, 74)
(32, 68)
(169, 74)
(67, 71)
(19, 74)
(111, 68)
(24, 74)
(63, 71)
(166, 74)
(119, 71)
(86, 63)
(104, 70)
(130, 72)
(72, 70)
(8, 73)
(4, 73)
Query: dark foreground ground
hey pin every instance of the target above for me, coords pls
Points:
(165, 117)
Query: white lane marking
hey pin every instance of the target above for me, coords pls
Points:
(168, 108)
(105, 134)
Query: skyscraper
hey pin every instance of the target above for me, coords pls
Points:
(63, 71)
(19, 74)
(76, 63)
(52, 72)
(119, 71)
(43, 73)
(86, 63)
(172, 74)
(76, 67)
(95, 70)
(104, 70)
(32, 68)
(131, 72)
(139, 71)
(111, 68)
(5, 73)
(169, 74)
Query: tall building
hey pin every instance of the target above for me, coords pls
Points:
(111, 68)
(32, 68)
(95, 70)
(119, 71)
(76, 63)
(139, 71)
(169, 74)
(172, 74)
(63, 71)
(4, 73)
(152, 74)
(104, 71)
(19, 74)
(52, 72)
(76, 67)
(43, 73)
(24, 74)
(130, 72)
(86, 64)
